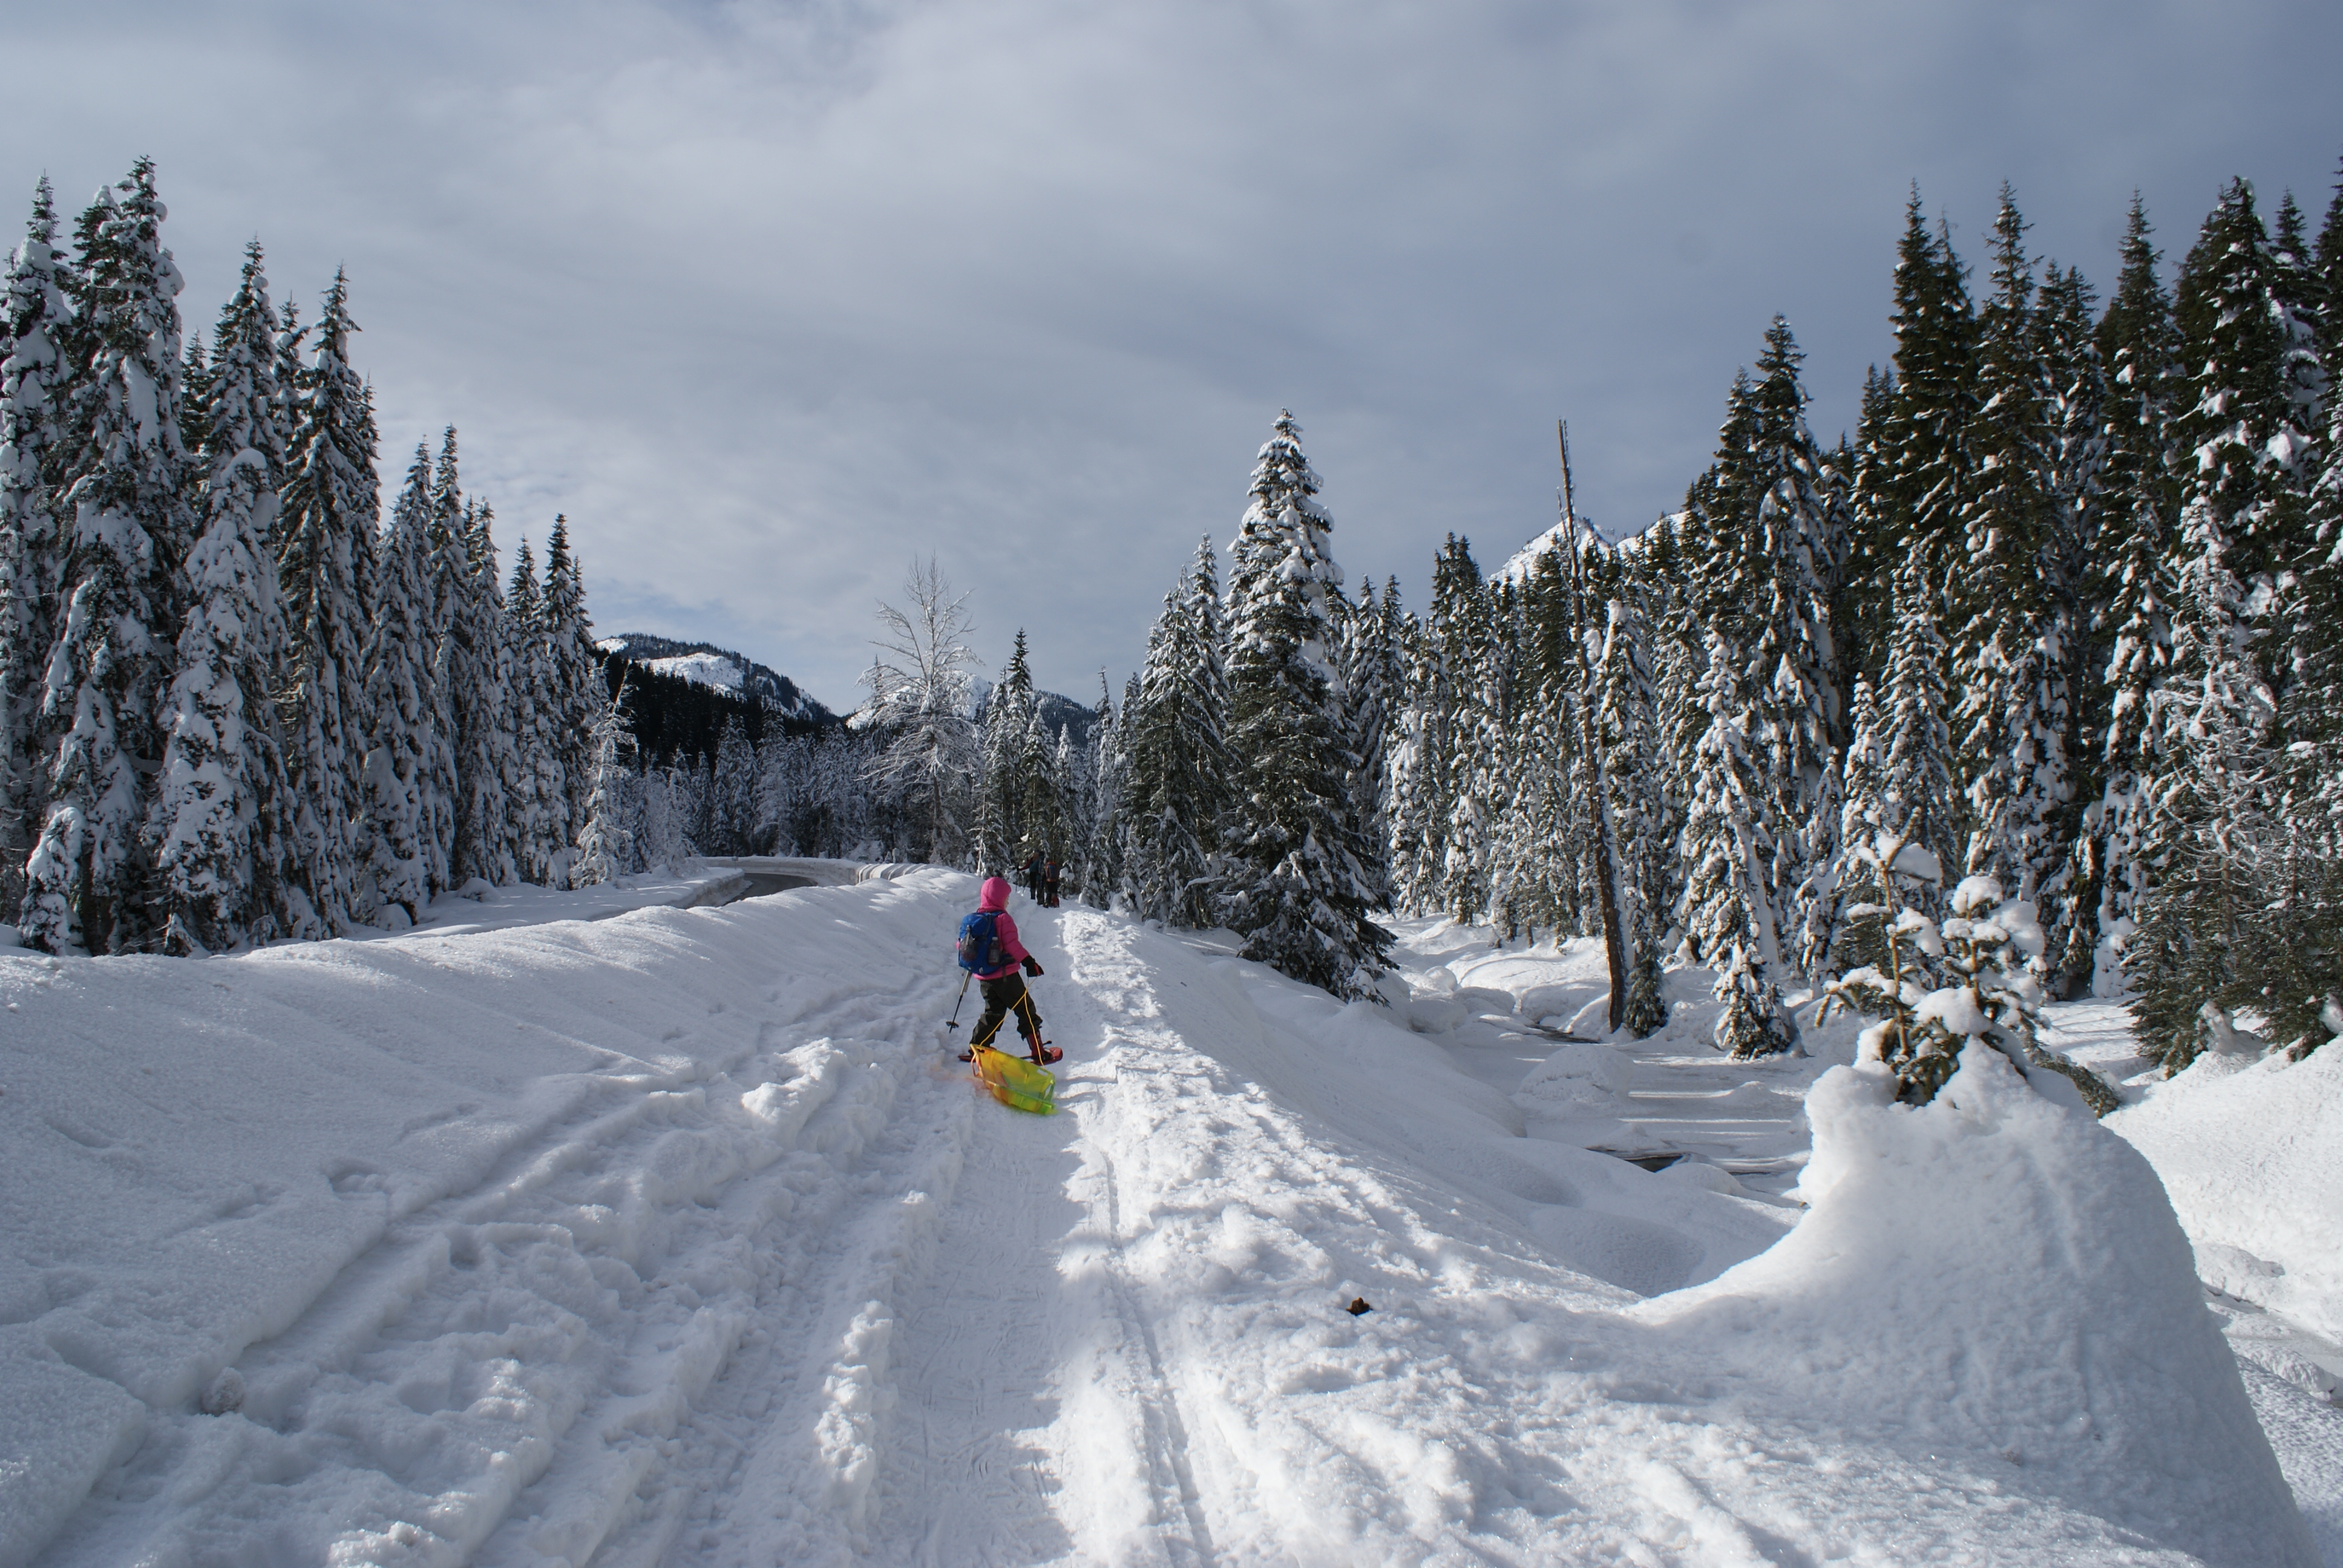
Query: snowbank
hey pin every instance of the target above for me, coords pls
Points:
(1996, 1282)
(414, 1188)
(2252, 1157)
(677, 1237)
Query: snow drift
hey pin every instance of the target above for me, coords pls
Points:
(2252, 1155)
(1997, 1283)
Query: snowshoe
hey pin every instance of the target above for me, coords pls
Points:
(1048, 1054)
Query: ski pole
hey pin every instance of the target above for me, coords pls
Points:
(957, 1001)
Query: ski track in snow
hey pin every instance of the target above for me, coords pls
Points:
(811, 1297)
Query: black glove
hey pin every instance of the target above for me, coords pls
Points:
(1032, 966)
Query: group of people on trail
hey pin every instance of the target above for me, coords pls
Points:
(991, 952)
(1041, 881)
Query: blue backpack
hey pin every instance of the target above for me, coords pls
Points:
(980, 944)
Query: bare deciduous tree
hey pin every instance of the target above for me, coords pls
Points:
(921, 686)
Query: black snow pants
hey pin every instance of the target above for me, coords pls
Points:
(1002, 997)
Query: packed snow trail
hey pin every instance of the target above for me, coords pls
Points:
(678, 1238)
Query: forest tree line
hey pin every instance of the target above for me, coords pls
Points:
(2047, 647)
(2042, 657)
(237, 704)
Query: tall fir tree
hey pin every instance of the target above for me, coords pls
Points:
(123, 472)
(402, 699)
(448, 593)
(1641, 816)
(2011, 714)
(1917, 784)
(2138, 344)
(34, 378)
(1371, 682)
(732, 793)
(574, 693)
(1300, 893)
(1103, 868)
(223, 808)
(325, 550)
(606, 839)
(1003, 841)
(1924, 490)
(488, 757)
(539, 804)
(1182, 771)
(1729, 837)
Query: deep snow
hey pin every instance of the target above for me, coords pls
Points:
(677, 1236)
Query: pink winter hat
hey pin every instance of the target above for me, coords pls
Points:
(994, 894)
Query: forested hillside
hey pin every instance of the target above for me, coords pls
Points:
(2048, 645)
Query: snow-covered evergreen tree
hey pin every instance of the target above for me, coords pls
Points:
(447, 589)
(35, 325)
(1041, 811)
(1372, 679)
(2142, 498)
(1642, 822)
(2067, 887)
(539, 803)
(1299, 892)
(605, 846)
(2010, 719)
(487, 757)
(732, 793)
(1929, 473)
(1179, 790)
(1731, 837)
(667, 803)
(1917, 784)
(1003, 833)
(124, 475)
(403, 700)
(325, 544)
(1938, 990)
(2244, 519)
(574, 694)
(223, 809)
(1103, 866)
(1458, 681)
(1864, 813)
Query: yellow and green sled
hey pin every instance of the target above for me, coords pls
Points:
(1016, 1082)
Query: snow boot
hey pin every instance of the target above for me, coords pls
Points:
(1045, 1053)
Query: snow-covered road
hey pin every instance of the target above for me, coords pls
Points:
(678, 1238)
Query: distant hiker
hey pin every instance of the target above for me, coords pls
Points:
(1050, 884)
(990, 950)
(1035, 873)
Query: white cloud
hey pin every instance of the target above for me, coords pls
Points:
(770, 298)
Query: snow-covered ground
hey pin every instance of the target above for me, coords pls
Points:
(677, 1236)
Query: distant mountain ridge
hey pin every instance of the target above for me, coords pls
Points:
(721, 667)
(1058, 712)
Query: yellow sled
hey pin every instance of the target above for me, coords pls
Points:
(1016, 1082)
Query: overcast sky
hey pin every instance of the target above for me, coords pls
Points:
(769, 298)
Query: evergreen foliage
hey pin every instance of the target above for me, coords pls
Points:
(122, 478)
(1179, 769)
(34, 379)
(229, 712)
(223, 809)
(325, 554)
(1300, 893)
